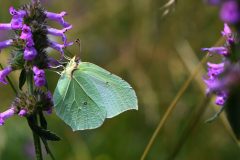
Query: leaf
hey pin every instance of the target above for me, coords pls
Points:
(233, 111)
(43, 124)
(22, 79)
(43, 121)
(86, 95)
(47, 148)
(43, 133)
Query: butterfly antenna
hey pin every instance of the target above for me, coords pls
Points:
(56, 72)
(58, 66)
(63, 63)
(78, 41)
(66, 57)
(68, 52)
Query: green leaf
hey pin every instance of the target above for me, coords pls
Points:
(43, 133)
(43, 121)
(22, 79)
(86, 95)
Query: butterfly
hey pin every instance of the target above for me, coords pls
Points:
(87, 94)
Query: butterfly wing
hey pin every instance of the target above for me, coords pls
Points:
(116, 95)
(84, 98)
(75, 107)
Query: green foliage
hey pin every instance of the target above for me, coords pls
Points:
(22, 79)
(86, 95)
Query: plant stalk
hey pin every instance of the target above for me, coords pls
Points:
(36, 138)
(190, 128)
(171, 108)
(173, 104)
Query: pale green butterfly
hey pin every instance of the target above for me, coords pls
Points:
(87, 94)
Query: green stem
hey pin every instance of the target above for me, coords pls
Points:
(37, 143)
(171, 108)
(190, 128)
(173, 104)
(36, 138)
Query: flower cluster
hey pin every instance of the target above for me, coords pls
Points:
(224, 76)
(29, 55)
(213, 80)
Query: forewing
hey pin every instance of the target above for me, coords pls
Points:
(116, 94)
(75, 107)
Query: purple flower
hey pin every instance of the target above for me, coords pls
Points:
(49, 95)
(5, 115)
(49, 98)
(5, 44)
(221, 98)
(30, 53)
(4, 73)
(22, 112)
(5, 26)
(38, 72)
(227, 32)
(58, 32)
(58, 17)
(39, 76)
(230, 12)
(52, 62)
(39, 81)
(59, 47)
(215, 70)
(30, 42)
(212, 84)
(16, 23)
(216, 66)
(218, 50)
(223, 76)
(17, 14)
(26, 32)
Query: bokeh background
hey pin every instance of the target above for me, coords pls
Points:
(155, 54)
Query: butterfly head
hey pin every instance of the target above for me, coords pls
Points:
(71, 66)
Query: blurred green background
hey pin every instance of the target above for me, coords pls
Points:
(154, 54)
